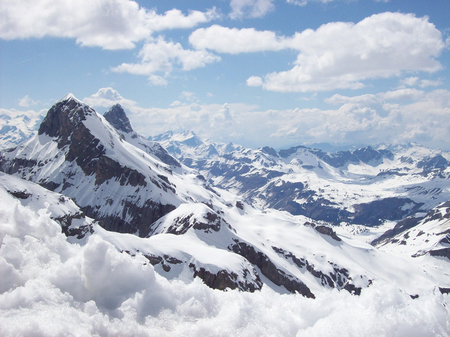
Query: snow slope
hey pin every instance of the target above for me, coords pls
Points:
(50, 287)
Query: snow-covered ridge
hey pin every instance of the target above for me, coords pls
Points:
(162, 242)
(340, 187)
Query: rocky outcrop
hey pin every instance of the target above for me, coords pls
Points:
(339, 278)
(117, 117)
(269, 270)
(225, 279)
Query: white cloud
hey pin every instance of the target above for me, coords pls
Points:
(235, 41)
(110, 24)
(393, 117)
(189, 96)
(161, 56)
(410, 81)
(254, 81)
(250, 8)
(304, 2)
(341, 55)
(157, 80)
(26, 101)
(107, 97)
(403, 94)
(176, 19)
(414, 81)
(337, 55)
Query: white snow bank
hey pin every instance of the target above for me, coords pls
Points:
(49, 287)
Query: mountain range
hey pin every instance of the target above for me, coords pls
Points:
(234, 217)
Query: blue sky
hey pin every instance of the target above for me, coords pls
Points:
(254, 72)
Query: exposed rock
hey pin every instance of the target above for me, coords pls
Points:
(444, 252)
(373, 213)
(116, 117)
(269, 270)
(212, 222)
(68, 230)
(400, 227)
(327, 231)
(338, 279)
(444, 290)
(164, 260)
(20, 194)
(224, 279)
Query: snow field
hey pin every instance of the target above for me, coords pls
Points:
(49, 287)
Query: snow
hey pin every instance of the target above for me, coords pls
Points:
(104, 285)
(50, 287)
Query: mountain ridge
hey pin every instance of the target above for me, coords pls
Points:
(182, 224)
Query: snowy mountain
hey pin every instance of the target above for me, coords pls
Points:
(366, 186)
(128, 209)
(132, 185)
(18, 127)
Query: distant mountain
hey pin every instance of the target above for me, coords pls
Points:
(17, 128)
(364, 186)
(98, 177)
(417, 236)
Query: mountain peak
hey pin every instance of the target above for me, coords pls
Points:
(64, 115)
(69, 97)
(117, 117)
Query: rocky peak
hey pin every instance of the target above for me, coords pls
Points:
(64, 117)
(117, 117)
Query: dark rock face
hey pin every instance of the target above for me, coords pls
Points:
(339, 278)
(373, 213)
(225, 279)
(444, 252)
(327, 231)
(400, 227)
(221, 280)
(63, 118)
(211, 223)
(437, 162)
(116, 117)
(166, 261)
(269, 270)
(78, 232)
(140, 218)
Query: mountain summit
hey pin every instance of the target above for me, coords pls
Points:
(116, 117)
(78, 153)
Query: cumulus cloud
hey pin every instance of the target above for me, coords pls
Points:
(254, 81)
(26, 101)
(414, 81)
(393, 117)
(107, 97)
(109, 24)
(337, 55)
(250, 8)
(234, 41)
(161, 56)
(342, 55)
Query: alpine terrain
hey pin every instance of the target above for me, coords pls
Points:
(120, 234)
